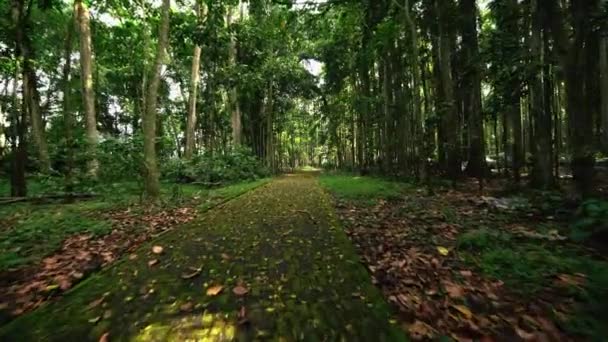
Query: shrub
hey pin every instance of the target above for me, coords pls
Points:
(236, 165)
(591, 221)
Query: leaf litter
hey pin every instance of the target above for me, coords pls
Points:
(408, 246)
(26, 288)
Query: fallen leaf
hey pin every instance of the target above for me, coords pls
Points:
(94, 320)
(186, 307)
(214, 290)
(240, 290)
(443, 251)
(464, 310)
(466, 273)
(453, 290)
(420, 331)
(194, 273)
(157, 249)
(105, 337)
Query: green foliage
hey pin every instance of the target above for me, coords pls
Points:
(121, 159)
(362, 188)
(37, 231)
(526, 267)
(480, 239)
(592, 220)
(209, 169)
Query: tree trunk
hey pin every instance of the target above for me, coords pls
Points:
(194, 83)
(19, 117)
(235, 106)
(449, 117)
(542, 170)
(604, 84)
(476, 165)
(68, 115)
(574, 61)
(152, 185)
(88, 93)
(30, 85)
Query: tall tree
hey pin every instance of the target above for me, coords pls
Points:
(449, 113)
(31, 95)
(235, 106)
(476, 165)
(88, 93)
(577, 57)
(604, 78)
(19, 112)
(68, 115)
(149, 120)
(194, 83)
(542, 169)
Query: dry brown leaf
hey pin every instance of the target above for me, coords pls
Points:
(105, 337)
(453, 290)
(464, 310)
(194, 273)
(240, 290)
(420, 331)
(214, 290)
(186, 307)
(466, 273)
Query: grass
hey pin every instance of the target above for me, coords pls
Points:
(362, 188)
(32, 231)
(527, 267)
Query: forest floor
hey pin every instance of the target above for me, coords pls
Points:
(460, 265)
(276, 263)
(272, 264)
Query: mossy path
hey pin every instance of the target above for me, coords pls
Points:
(279, 243)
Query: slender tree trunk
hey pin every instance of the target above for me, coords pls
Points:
(68, 115)
(19, 113)
(542, 170)
(476, 165)
(88, 93)
(450, 113)
(604, 84)
(192, 98)
(574, 61)
(31, 96)
(235, 106)
(149, 120)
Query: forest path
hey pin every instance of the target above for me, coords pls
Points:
(272, 264)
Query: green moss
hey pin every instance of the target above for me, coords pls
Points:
(362, 188)
(281, 241)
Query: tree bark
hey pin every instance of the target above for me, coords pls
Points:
(449, 117)
(30, 85)
(19, 117)
(68, 115)
(574, 62)
(194, 83)
(604, 83)
(542, 169)
(476, 165)
(88, 93)
(152, 185)
(235, 106)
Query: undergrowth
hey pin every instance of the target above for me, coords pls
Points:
(362, 188)
(527, 267)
